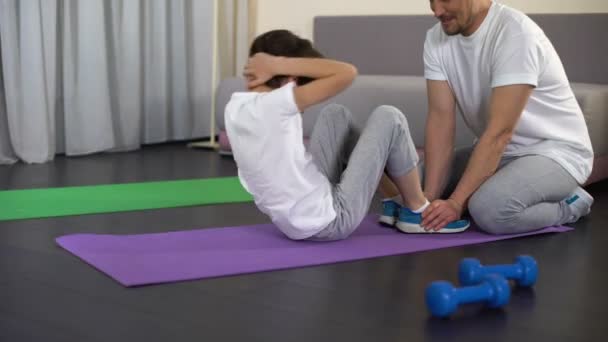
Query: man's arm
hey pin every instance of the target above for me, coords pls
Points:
(439, 137)
(331, 77)
(506, 105)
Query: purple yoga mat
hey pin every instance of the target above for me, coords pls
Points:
(134, 260)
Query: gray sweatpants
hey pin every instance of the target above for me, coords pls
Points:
(354, 163)
(525, 194)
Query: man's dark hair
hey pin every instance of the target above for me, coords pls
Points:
(286, 44)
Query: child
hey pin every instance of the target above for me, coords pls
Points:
(323, 193)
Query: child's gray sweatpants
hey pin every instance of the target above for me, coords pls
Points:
(354, 163)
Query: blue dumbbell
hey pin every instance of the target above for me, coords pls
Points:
(443, 299)
(524, 271)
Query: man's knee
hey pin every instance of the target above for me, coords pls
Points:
(493, 211)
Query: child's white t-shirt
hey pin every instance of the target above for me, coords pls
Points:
(265, 133)
(509, 48)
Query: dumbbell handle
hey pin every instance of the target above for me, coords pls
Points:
(470, 294)
(508, 271)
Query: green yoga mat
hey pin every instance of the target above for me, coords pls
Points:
(53, 202)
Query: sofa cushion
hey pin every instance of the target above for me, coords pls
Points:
(408, 93)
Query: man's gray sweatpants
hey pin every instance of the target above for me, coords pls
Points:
(526, 193)
(354, 163)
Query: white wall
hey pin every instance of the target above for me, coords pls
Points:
(297, 15)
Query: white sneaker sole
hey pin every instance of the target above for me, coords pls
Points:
(387, 220)
(412, 228)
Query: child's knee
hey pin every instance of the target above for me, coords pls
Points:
(334, 110)
(390, 116)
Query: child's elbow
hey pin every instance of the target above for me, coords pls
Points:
(352, 71)
(349, 73)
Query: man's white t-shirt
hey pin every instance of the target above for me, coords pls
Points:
(265, 133)
(509, 48)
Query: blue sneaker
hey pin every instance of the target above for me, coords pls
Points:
(390, 212)
(409, 222)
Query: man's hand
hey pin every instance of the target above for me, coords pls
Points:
(259, 69)
(439, 213)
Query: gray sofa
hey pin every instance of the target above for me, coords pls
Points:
(394, 77)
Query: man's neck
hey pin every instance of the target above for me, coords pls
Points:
(479, 15)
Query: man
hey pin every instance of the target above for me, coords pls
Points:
(533, 149)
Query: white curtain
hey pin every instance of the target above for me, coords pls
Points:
(234, 31)
(88, 76)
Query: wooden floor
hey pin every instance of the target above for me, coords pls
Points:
(49, 295)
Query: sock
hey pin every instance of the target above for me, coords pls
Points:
(423, 208)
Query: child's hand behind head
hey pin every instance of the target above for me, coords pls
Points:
(259, 69)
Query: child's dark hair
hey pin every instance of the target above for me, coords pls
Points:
(286, 44)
